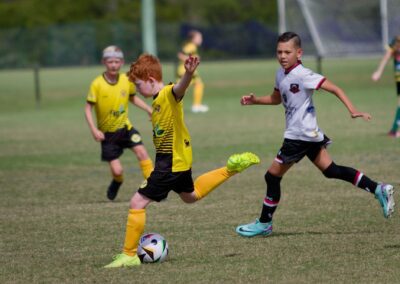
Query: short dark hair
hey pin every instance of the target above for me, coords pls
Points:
(286, 36)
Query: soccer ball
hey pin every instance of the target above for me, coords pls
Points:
(152, 248)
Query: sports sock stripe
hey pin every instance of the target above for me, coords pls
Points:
(270, 203)
(358, 178)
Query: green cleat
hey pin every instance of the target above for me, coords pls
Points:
(240, 162)
(254, 229)
(384, 194)
(123, 260)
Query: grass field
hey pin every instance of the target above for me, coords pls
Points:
(58, 227)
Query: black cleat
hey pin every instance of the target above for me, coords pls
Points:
(113, 189)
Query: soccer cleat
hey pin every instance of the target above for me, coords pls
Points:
(113, 189)
(199, 108)
(394, 134)
(124, 260)
(240, 162)
(254, 229)
(384, 194)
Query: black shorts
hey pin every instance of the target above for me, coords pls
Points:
(398, 88)
(295, 150)
(159, 184)
(114, 143)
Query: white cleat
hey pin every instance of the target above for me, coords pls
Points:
(199, 108)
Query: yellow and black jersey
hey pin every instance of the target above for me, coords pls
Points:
(188, 48)
(170, 135)
(111, 102)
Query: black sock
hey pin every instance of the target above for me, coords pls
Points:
(272, 198)
(367, 184)
(351, 175)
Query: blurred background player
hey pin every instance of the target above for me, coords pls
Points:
(393, 50)
(173, 164)
(190, 47)
(109, 95)
(294, 88)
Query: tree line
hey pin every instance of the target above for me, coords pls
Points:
(41, 13)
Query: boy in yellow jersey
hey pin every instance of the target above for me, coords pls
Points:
(195, 39)
(173, 145)
(109, 95)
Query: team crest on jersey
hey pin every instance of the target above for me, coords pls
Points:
(144, 184)
(294, 88)
(123, 93)
(136, 138)
(158, 131)
(187, 142)
(157, 108)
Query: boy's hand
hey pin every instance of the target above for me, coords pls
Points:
(248, 100)
(366, 116)
(375, 76)
(191, 64)
(98, 135)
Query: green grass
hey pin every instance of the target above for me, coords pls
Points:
(57, 226)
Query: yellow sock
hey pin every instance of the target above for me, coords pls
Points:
(119, 179)
(198, 92)
(207, 182)
(134, 229)
(147, 167)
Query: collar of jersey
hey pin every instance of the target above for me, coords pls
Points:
(112, 84)
(287, 71)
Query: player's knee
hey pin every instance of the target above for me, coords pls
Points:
(271, 179)
(332, 171)
(141, 153)
(117, 172)
(188, 197)
(138, 201)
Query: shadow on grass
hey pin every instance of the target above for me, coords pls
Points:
(314, 233)
(392, 246)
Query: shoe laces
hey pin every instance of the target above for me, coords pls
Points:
(117, 256)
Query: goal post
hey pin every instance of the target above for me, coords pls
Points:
(341, 28)
(149, 27)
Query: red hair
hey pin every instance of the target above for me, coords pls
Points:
(144, 67)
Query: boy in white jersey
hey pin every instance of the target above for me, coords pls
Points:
(294, 87)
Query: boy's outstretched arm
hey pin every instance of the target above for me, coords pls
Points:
(251, 99)
(377, 74)
(338, 92)
(179, 88)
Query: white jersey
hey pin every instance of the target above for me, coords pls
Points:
(296, 87)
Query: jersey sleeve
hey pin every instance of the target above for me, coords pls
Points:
(390, 46)
(392, 43)
(93, 93)
(169, 94)
(132, 89)
(189, 48)
(278, 79)
(313, 80)
(276, 86)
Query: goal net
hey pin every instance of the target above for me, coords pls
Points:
(342, 27)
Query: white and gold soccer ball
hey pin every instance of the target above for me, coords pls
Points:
(152, 248)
